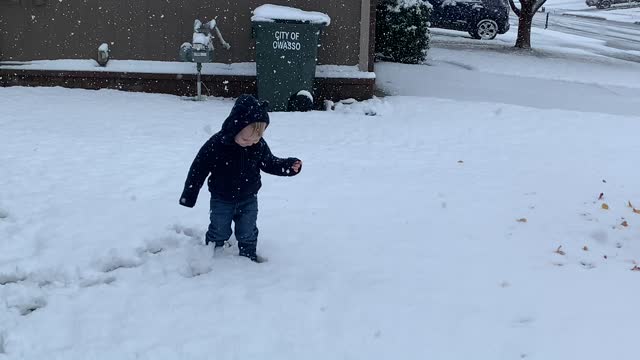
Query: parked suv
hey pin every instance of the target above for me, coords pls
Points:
(605, 4)
(482, 19)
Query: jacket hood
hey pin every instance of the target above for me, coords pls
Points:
(247, 110)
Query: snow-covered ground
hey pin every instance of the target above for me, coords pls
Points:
(460, 218)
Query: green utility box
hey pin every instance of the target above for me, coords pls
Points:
(286, 56)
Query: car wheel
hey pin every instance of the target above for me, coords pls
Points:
(485, 30)
(605, 4)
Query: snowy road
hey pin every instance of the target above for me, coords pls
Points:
(617, 35)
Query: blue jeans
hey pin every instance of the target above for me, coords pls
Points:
(243, 213)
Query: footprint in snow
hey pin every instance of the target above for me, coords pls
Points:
(115, 261)
(3, 342)
(27, 305)
(194, 233)
(12, 278)
(197, 263)
(161, 244)
(50, 276)
(96, 280)
(196, 268)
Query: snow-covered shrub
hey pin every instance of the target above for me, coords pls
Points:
(402, 30)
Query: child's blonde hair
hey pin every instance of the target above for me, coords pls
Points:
(259, 128)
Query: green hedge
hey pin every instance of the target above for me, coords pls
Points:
(402, 31)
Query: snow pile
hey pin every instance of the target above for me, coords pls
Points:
(270, 13)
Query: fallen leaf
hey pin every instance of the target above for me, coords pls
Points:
(605, 206)
(460, 162)
(559, 251)
(629, 205)
(635, 268)
(625, 223)
(601, 196)
(585, 248)
(636, 211)
(522, 220)
(605, 257)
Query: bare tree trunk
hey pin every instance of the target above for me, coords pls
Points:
(524, 29)
(527, 10)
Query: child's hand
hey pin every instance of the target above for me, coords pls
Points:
(296, 166)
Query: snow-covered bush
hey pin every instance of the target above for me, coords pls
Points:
(402, 30)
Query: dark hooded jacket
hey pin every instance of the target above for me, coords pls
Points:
(234, 171)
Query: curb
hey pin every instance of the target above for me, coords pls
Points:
(585, 16)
